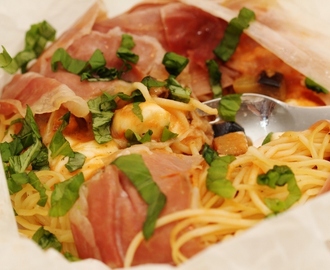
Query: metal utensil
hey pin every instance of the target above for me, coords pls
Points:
(259, 115)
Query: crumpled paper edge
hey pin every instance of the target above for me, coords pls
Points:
(297, 239)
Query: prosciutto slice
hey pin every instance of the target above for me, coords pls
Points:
(42, 94)
(148, 49)
(179, 28)
(82, 27)
(110, 212)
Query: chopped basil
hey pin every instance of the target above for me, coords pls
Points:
(95, 68)
(230, 40)
(38, 186)
(124, 51)
(268, 138)
(280, 176)
(102, 108)
(134, 138)
(167, 135)
(76, 162)
(137, 172)
(35, 42)
(214, 77)
(137, 110)
(228, 107)
(59, 145)
(70, 257)
(209, 154)
(177, 92)
(15, 181)
(7, 62)
(174, 63)
(46, 239)
(216, 174)
(65, 195)
(151, 82)
(310, 84)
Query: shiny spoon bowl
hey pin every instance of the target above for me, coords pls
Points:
(259, 115)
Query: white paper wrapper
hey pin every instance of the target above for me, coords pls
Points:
(297, 239)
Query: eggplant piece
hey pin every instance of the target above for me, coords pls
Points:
(223, 128)
(273, 80)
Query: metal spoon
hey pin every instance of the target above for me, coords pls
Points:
(259, 115)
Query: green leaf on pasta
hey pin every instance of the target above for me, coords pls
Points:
(135, 169)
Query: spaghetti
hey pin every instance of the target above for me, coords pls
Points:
(210, 218)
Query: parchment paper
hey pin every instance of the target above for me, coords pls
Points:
(297, 239)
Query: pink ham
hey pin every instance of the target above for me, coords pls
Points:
(82, 27)
(180, 28)
(110, 212)
(150, 62)
(146, 18)
(42, 94)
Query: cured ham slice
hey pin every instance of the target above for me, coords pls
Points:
(148, 49)
(82, 27)
(110, 194)
(179, 28)
(42, 94)
(147, 22)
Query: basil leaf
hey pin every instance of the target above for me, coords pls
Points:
(7, 62)
(20, 163)
(280, 176)
(35, 42)
(134, 138)
(216, 177)
(40, 162)
(135, 169)
(38, 186)
(76, 162)
(151, 82)
(59, 144)
(97, 60)
(15, 180)
(70, 64)
(46, 239)
(101, 109)
(124, 51)
(9, 149)
(177, 92)
(230, 40)
(167, 135)
(137, 110)
(268, 138)
(228, 107)
(174, 63)
(70, 257)
(65, 195)
(214, 77)
(312, 85)
(127, 42)
(209, 154)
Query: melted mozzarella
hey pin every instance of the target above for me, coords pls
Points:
(155, 118)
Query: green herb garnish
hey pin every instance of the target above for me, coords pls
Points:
(312, 85)
(216, 180)
(214, 77)
(228, 107)
(280, 176)
(135, 169)
(45, 239)
(35, 42)
(233, 32)
(65, 195)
